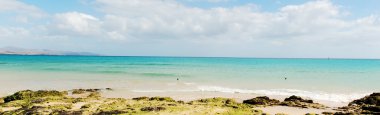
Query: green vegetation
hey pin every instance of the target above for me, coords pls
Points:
(89, 101)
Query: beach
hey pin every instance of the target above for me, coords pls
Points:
(334, 83)
(93, 101)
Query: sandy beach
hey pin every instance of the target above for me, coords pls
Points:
(102, 101)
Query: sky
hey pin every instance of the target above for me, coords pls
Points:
(199, 28)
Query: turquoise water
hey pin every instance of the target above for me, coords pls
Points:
(243, 75)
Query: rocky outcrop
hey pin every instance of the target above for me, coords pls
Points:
(366, 105)
(29, 94)
(81, 91)
(263, 100)
(152, 108)
(296, 101)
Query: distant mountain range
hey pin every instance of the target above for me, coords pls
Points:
(22, 51)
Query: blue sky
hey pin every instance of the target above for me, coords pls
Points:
(236, 28)
(356, 7)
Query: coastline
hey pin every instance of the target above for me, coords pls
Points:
(129, 87)
(41, 101)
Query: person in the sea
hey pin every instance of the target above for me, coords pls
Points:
(177, 79)
(286, 78)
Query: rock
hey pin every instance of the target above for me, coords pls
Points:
(216, 100)
(94, 95)
(168, 99)
(29, 94)
(85, 106)
(81, 91)
(109, 89)
(371, 108)
(181, 102)
(297, 98)
(327, 113)
(263, 100)
(311, 114)
(113, 112)
(367, 105)
(78, 91)
(296, 101)
(152, 108)
(344, 113)
(373, 99)
(140, 98)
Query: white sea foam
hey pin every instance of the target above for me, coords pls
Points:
(334, 97)
(317, 95)
(161, 91)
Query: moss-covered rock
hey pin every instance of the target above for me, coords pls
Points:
(263, 100)
(29, 94)
(167, 99)
(152, 108)
(94, 95)
(373, 99)
(217, 100)
(367, 105)
(81, 91)
(296, 101)
(298, 98)
(140, 98)
(311, 114)
(85, 106)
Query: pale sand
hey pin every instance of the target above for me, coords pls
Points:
(292, 110)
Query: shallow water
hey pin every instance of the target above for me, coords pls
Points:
(338, 80)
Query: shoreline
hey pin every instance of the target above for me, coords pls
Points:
(193, 95)
(126, 85)
(293, 105)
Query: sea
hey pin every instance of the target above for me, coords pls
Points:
(337, 80)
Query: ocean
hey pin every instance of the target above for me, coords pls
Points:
(338, 80)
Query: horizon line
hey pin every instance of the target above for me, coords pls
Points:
(168, 56)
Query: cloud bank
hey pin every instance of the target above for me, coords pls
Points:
(315, 29)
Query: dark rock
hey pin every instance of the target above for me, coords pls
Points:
(297, 98)
(264, 100)
(152, 108)
(371, 108)
(344, 113)
(296, 101)
(327, 113)
(81, 91)
(181, 102)
(114, 112)
(373, 99)
(140, 98)
(168, 99)
(367, 105)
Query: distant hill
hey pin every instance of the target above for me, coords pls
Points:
(22, 51)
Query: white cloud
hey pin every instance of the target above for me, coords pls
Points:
(22, 12)
(75, 23)
(166, 27)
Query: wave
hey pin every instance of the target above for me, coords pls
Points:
(317, 95)
(334, 97)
